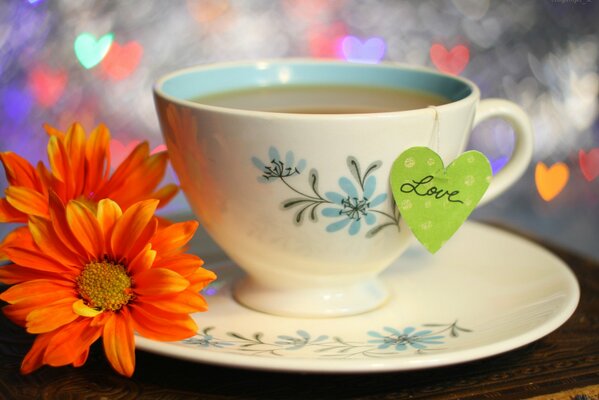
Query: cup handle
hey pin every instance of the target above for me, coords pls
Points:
(523, 148)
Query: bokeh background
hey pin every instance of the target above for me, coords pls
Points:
(95, 61)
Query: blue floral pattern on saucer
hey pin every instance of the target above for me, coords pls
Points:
(391, 342)
(401, 340)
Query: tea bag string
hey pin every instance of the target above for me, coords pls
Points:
(435, 137)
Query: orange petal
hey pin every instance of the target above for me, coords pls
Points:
(53, 316)
(158, 325)
(35, 357)
(58, 215)
(59, 160)
(108, 213)
(123, 172)
(51, 131)
(143, 239)
(81, 359)
(200, 279)
(27, 200)
(70, 342)
(163, 222)
(18, 312)
(48, 181)
(153, 169)
(74, 143)
(36, 260)
(165, 194)
(20, 235)
(158, 281)
(133, 161)
(12, 274)
(142, 181)
(85, 228)
(49, 242)
(171, 239)
(182, 303)
(130, 226)
(142, 261)
(10, 214)
(101, 319)
(161, 314)
(183, 264)
(119, 344)
(61, 169)
(97, 153)
(19, 172)
(201, 275)
(25, 290)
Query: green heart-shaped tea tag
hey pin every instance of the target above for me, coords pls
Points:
(434, 200)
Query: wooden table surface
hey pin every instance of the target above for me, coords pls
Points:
(563, 365)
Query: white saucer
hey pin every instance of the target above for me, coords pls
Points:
(486, 292)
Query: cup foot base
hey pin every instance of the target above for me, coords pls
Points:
(325, 302)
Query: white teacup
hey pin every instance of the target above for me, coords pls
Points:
(302, 202)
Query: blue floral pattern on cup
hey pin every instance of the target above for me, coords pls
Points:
(276, 167)
(355, 205)
(391, 342)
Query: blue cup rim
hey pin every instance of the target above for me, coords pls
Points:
(185, 84)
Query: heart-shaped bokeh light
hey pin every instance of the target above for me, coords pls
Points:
(551, 181)
(91, 51)
(451, 61)
(122, 60)
(47, 85)
(370, 51)
(589, 163)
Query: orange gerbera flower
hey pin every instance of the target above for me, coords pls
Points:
(80, 170)
(82, 274)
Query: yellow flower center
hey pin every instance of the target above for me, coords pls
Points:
(104, 285)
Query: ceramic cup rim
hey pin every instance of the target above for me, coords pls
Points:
(470, 89)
